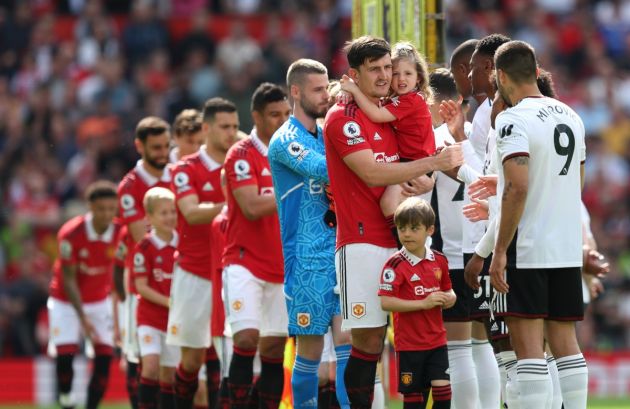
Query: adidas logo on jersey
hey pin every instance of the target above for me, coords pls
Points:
(484, 306)
(415, 277)
(311, 402)
(265, 172)
(377, 137)
(495, 327)
(207, 187)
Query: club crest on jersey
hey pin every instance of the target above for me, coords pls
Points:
(110, 251)
(242, 168)
(65, 249)
(352, 131)
(303, 319)
(388, 275)
(237, 305)
(406, 378)
(358, 309)
(437, 272)
(127, 202)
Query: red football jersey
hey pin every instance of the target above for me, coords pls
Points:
(219, 229)
(254, 244)
(131, 192)
(413, 125)
(92, 255)
(154, 258)
(408, 277)
(359, 216)
(197, 174)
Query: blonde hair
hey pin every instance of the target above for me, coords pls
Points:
(154, 195)
(414, 212)
(406, 50)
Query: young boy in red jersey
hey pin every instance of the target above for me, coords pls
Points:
(153, 259)
(415, 285)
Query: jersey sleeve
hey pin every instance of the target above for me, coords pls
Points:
(299, 158)
(405, 105)
(582, 145)
(445, 280)
(390, 282)
(129, 205)
(141, 262)
(486, 243)
(346, 135)
(67, 250)
(121, 250)
(512, 139)
(183, 182)
(240, 171)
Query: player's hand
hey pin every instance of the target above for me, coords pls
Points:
(453, 115)
(595, 287)
(595, 264)
(90, 331)
(484, 187)
(472, 270)
(450, 157)
(417, 186)
(436, 299)
(476, 211)
(497, 272)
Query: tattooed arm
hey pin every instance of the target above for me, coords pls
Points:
(512, 205)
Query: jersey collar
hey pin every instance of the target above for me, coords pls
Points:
(413, 259)
(173, 155)
(160, 244)
(260, 145)
(210, 163)
(294, 121)
(92, 235)
(148, 178)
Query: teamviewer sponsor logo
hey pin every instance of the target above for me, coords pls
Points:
(383, 158)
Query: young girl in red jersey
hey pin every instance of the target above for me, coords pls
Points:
(408, 111)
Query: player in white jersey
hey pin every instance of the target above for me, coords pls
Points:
(446, 200)
(537, 256)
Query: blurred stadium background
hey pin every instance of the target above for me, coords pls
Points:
(76, 76)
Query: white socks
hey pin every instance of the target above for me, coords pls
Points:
(463, 375)
(511, 385)
(379, 394)
(556, 402)
(573, 375)
(534, 383)
(488, 377)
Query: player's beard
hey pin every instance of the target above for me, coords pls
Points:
(312, 111)
(504, 94)
(155, 164)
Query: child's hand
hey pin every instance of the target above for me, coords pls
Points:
(436, 299)
(348, 85)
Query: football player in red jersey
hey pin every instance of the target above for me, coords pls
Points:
(79, 292)
(362, 159)
(152, 138)
(197, 187)
(253, 275)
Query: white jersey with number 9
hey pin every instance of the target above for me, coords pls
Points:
(551, 134)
